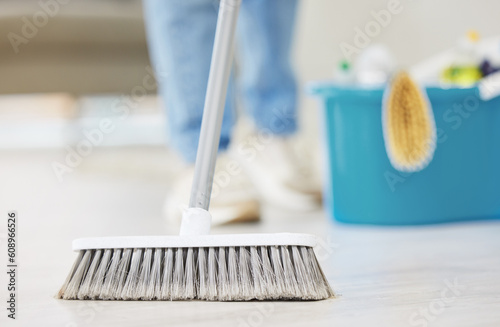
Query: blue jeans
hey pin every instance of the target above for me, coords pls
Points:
(180, 37)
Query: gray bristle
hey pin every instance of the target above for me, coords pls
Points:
(301, 274)
(190, 276)
(76, 265)
(166, 283)
(178, 276)
(269, 278)
(122, 271)
(97, 282)
(279, 275)
(257, 274)
(144, 275)
(74, 284)
(232, 272)
(214, 274)
(247, 291)
(222, 280)
(111, 277)
(153, 287)
(292, 286)
(128, 292)
(84, 291)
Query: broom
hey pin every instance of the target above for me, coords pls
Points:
(195, 265)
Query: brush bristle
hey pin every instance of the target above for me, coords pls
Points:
(409, 127)
(211, 273)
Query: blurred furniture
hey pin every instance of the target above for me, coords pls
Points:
(84, 46)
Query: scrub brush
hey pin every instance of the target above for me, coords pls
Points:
(408, 124)
(195, 265)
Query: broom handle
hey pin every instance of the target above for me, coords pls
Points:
(213, 110)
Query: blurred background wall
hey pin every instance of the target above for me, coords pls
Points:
(422, 27)
(78, 56)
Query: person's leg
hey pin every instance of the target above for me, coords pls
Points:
(180, 37)
(270, 97)
(267, 79)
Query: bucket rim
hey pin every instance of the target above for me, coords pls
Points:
(330, 89)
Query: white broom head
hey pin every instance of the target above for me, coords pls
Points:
(205, 267)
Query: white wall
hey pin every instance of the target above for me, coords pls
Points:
(422, 28)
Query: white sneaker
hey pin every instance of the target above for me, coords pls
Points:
(279, 175)
(233, 196)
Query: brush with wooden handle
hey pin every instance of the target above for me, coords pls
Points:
(408, 124)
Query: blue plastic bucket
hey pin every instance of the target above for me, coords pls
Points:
(462, 182)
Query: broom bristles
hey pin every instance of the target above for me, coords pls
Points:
(205, 273)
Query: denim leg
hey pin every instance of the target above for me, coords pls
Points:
(265, 31)
(180, 37)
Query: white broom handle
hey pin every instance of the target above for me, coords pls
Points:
(220, 68)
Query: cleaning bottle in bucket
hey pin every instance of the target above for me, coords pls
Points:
(465, 68)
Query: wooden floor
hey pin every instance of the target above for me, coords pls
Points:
(444, 275)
